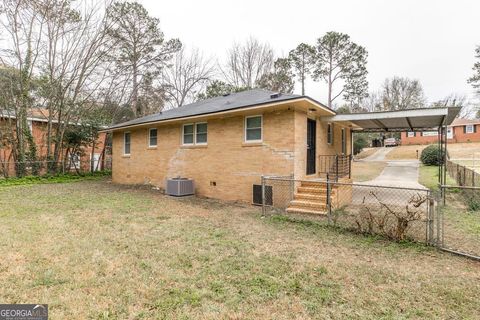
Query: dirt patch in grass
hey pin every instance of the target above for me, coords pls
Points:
(405, 152)
(100, 251)
(368, 170)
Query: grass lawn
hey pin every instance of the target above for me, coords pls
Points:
(428, 176)
(364, 171)
(455, 150)
(408, 152)
(94, 250)
(464, 150)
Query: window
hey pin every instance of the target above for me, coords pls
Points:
(330, 133)
(30, 125)
(152, 137)
(253, 129)
(201, 133)
(344, 141)
(469, 128)
(126, 143)
(429, 133)
(188, 134)
(195, 133)
(410, 134)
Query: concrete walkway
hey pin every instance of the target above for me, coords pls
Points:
(399, 173)
(379, 155)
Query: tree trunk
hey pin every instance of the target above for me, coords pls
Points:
(135, 107)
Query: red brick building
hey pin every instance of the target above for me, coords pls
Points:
(37, 122)
(461, 130)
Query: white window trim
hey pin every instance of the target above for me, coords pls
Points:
(183, 134)
(149, 138)
(471, 127)
(195, 134)
(30, 125)
(245, 129)
(124, 135)
(330, 125)
(410, 134)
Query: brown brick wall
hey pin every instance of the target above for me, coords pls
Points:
(39, 133)
(234, 166)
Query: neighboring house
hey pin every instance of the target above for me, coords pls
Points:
(227, 143)
(37, 122)
(461, 130)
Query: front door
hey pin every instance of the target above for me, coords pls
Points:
(311, 145)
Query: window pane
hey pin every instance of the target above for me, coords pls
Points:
(153, 137)
(254, 134)
(188, 138)
(255, 122)
(127, 143)
(201, 138)
(201, 128)
(188, 129)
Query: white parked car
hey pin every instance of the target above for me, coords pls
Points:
(391, 142)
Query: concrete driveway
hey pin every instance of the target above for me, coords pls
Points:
(398, 173)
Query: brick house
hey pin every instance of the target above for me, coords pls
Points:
(37, 122)
(461, 130)
(227, 143)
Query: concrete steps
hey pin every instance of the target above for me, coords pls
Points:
(311, 198)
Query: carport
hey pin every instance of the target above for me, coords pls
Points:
(428, 119)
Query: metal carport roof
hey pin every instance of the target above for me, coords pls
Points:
(402, 120)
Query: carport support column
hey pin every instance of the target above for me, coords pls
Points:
(445, 131)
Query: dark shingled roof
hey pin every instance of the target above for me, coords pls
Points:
(232, 101)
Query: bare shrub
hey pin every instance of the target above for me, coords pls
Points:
(391, 221)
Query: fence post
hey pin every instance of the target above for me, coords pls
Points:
(431, 209)
(350, 166)
(439, 217)
(263, 195)
(329, 202)
(336, 169)
(292, 186)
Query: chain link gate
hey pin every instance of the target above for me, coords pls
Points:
(393, 212)
(458, 220)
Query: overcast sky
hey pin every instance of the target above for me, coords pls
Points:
(429, 40)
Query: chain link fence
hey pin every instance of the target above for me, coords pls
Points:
(395, 213)
(9, 169)
(459, 214)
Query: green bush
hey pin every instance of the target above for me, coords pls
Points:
(359, 144)
(431, 155)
